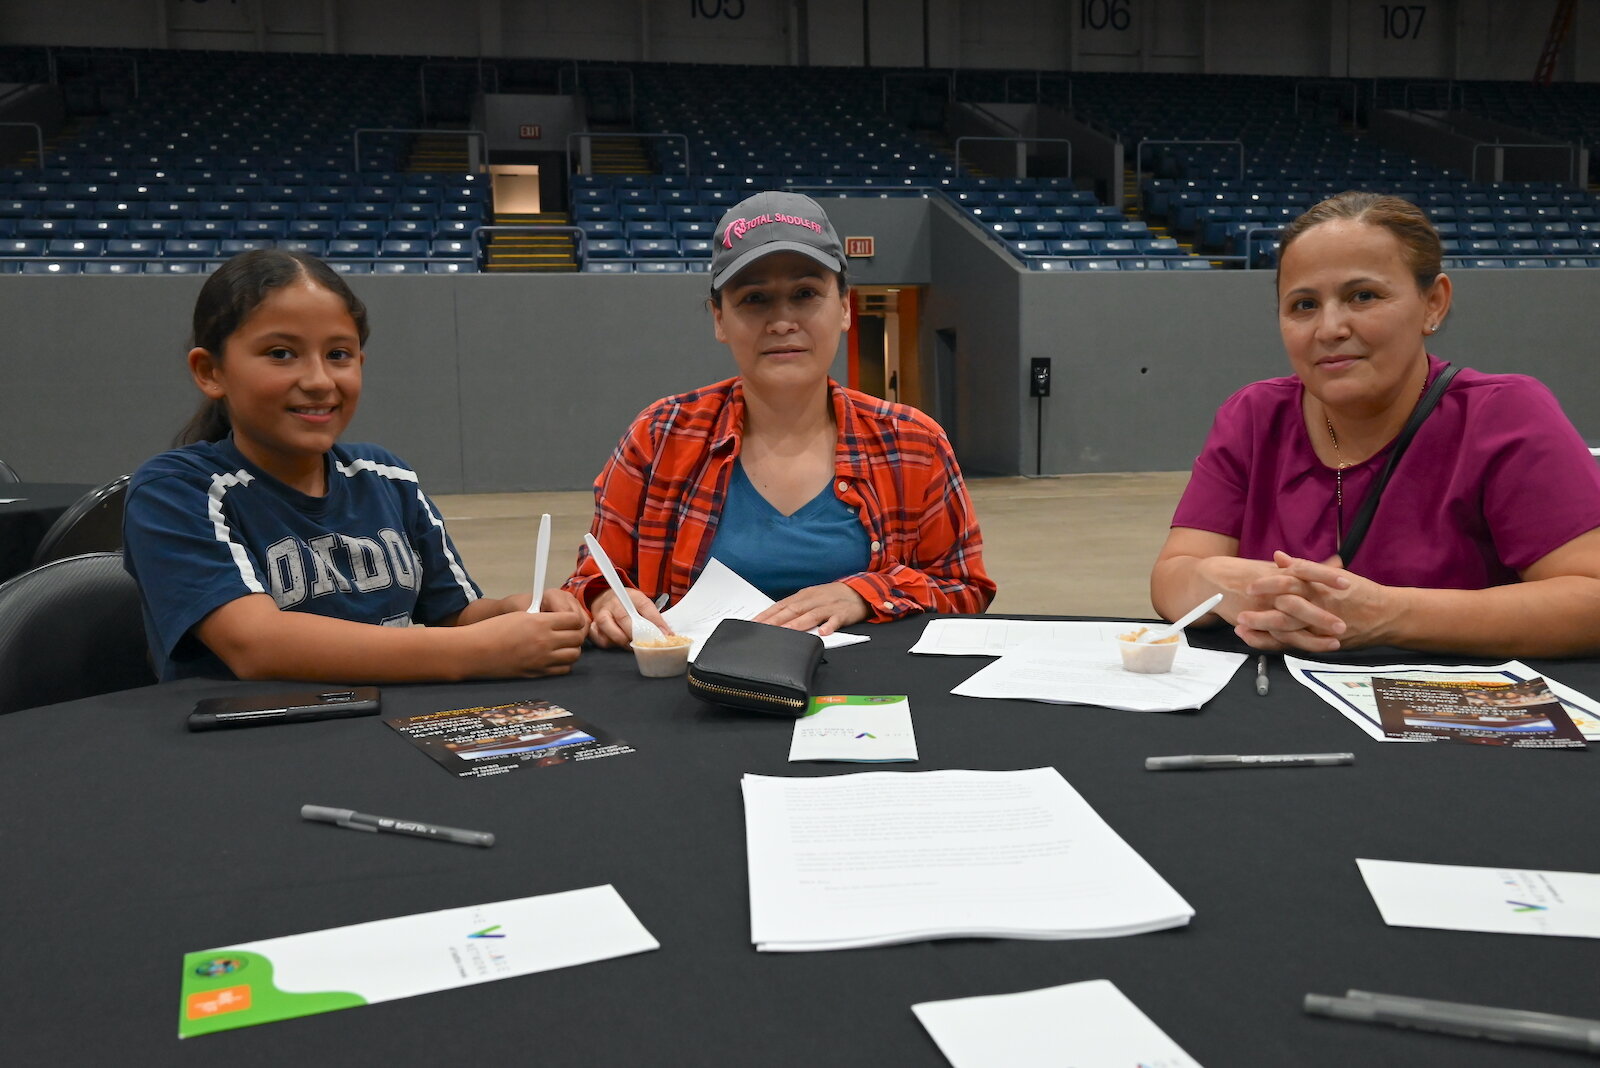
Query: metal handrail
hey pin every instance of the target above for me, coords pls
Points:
(1249, 235)
(577, 82)
(582, 242)
(51, 55)
(1019, 140)
(629, 137)
(1572, 155)
(483, 138)
(1138, 151)
(1038, 86)
(949, 84)
(1355, 103)
(422, 76)
(38, 134)
(806, 185)
(1451, 87)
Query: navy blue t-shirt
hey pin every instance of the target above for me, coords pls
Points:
(203, 526)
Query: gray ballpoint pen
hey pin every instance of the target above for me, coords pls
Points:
(1263, 760)
(1526, 1015)
(1471, 1021)
(361, 821)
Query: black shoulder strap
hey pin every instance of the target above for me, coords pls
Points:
(1369, 507)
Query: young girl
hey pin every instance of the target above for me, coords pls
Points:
(265, 548)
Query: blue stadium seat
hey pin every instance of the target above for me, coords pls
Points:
(403, 247)
(214, 229)
(451, 267)
(265, 229)
(397, 267)
(74, 246)
(110, 267)
(189, 249)
(311, 246)
(49, 267)
(451, 248)
(607, 267)
(46, 228)
(656, 229)
(653, 247)
(341, 248)
(607, 248)
(22, 246)
(234, 245)
(659, 267)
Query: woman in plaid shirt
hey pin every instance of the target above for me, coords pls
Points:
(841, 507)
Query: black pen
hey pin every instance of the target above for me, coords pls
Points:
(216, 713)
(1261, 674)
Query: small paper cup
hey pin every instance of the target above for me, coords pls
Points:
(1148, 658)
(663, 657)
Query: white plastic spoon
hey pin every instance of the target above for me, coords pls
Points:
(643, 629)
(1183, 621)
(541, 559)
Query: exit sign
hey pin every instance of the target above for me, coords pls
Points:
(859, 247)
(530, 131)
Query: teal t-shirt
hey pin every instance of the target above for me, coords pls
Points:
(779, 554)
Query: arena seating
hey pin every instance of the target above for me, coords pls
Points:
(202, 155)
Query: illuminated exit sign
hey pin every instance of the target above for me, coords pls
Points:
(859, 247)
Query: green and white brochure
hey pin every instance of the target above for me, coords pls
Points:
(856, 729)
(341, 968)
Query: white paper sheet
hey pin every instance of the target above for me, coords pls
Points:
(1348, 688)
(992, 636)
(1090, 1024)
(720, 593)
(861, 730)
(1093, 675)
(280, 978)
(1455, 897)
(876, 858)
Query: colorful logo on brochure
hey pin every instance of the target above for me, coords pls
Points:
(487, 932)
(219, 966)
(866, 734)
(1523, 906)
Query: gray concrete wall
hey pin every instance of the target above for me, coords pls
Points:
(490, 382)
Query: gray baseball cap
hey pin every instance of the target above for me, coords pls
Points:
(772, 222)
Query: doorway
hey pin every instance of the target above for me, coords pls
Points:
(885, 358)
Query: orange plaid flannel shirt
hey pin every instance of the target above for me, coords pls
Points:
(659, 498)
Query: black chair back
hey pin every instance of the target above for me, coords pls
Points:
(8, 473)
(72, 628)
(92, 525)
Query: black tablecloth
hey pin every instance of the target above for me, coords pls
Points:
(128, 841)
(23, 522)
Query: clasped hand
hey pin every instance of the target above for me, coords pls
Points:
(1315, 607)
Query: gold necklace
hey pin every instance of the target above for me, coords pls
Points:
(1338, 483)
(1338, 472)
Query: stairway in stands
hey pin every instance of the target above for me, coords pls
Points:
(621, 155)
(546, 253)
(527, 252)
(1133, 208)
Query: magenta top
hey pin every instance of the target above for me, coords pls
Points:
(1496, 478)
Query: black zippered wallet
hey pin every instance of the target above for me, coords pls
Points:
(756, 666)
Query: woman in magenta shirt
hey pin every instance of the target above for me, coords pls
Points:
(1486, 539)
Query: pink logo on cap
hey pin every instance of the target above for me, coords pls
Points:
(739, 227)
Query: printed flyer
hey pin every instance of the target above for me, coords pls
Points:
(475, 743)
(1522, 714)
(365, 963)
